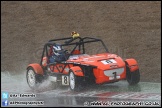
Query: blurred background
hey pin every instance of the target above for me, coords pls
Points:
(131, 29)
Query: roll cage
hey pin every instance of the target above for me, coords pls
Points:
(70, 41)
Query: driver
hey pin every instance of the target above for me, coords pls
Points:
(58, 54)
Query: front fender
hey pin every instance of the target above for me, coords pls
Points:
(132, 64)
(37, 68)
(77, 71)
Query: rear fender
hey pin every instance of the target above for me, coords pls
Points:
(37, 68)
(77, 71)
(132, 64)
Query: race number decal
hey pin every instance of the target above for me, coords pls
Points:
(65, 80)
(105, 62)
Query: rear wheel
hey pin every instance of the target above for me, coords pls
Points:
(75, 82)
(132, 77)
(33, 79)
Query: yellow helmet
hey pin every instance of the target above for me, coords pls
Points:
(74, 34)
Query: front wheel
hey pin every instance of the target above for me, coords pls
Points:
(75, 82)
(33, 79)
(132, 77)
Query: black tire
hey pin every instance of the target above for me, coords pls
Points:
(75, 82)
(132, 77)
(33, 79)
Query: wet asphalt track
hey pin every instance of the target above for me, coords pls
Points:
(114, 94)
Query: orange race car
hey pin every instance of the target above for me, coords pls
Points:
(77, 67)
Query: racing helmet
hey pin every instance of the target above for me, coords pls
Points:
(57, 49)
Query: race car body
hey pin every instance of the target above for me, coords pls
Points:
(81, 68)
